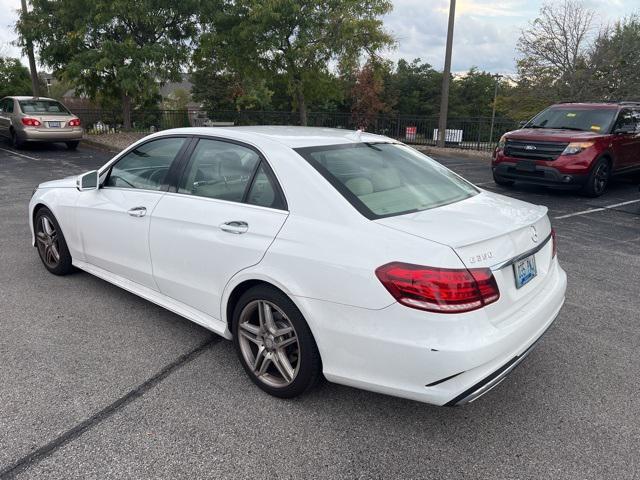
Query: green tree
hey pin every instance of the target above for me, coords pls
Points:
(472, 94)
(615, 62)
(413, 88)
(177, 100)
(294, 39)
(114, 49)
(14, 77)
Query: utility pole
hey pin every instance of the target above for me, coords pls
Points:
(35, 85)
(495, 101)
(446, 74)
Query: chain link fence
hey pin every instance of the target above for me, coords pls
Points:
(473, 133)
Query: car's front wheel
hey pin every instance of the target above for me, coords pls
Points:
(51, 244)
(274, 343)
(598, 179)
(503, 182)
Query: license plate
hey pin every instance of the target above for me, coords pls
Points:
(53, 124)
(525, 270)
(526, 166)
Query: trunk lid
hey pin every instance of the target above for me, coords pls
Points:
(484, 230)
(62, 120)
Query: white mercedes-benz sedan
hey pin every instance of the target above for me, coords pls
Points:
(319, 252)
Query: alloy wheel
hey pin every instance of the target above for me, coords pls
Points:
(601, 177)
(269, 343)
(48, 241)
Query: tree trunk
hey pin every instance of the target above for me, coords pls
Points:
(126, 111)
(35, 82)
(302, 106)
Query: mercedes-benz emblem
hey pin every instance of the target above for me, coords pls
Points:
(534, 234)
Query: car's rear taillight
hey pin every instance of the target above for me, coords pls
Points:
(31, 122)
(74, 122)
(441, 290)
(554, 244)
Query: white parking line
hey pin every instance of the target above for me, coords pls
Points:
(593, 210)
(18, 154)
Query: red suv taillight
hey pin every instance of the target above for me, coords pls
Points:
(441, 290)
(31, 122)
(74, 122)
(554, 244)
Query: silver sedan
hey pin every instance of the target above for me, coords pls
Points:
(33, 119)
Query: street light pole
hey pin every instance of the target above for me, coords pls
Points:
(495, 101)
(446, 74)
(35, 85)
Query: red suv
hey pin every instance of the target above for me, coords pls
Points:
(572, 145)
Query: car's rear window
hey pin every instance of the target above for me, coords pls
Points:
(386, 179)
(43, 107)
(598, 120)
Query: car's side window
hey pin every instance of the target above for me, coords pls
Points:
(145, 167)
(219, 170)
(627, 121)
(9, 106)
(263, 192)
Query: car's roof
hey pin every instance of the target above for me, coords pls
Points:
(23, 97)
(590, 106)
(293, 137)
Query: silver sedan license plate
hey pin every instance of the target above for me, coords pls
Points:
(525, 270)
(53, 124)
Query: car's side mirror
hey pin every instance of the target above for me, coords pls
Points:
(88, 181)
(522, 123)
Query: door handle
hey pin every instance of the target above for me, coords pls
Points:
(137, 211)
(237, 227)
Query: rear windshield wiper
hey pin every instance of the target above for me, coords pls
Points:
(372, 145)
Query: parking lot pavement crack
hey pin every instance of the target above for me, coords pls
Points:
(73, 433)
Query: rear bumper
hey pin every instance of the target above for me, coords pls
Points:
(493, 380)
(50, 135)
(540, 175)
(429, 358)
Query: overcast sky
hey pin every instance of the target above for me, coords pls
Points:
(485, 35)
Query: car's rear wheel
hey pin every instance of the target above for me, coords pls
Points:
(14, 140)
(73, 145)
(598, 179)
(274, 343)
(51, 244)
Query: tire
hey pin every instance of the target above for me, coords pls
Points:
(258, 347)
(50, 243)
(73, 145)
(502, 182)
(14, 141)
(598, 179)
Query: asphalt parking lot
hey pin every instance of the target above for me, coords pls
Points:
(97, 383)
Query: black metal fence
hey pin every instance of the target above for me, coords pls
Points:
(477, 133)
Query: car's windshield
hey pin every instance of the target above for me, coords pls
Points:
(582, 119)
(43, 107)
(385, 179)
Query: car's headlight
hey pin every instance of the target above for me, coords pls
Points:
(502, 142)
(576, 147)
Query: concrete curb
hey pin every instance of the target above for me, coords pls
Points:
(458, 152)
(99, 146)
